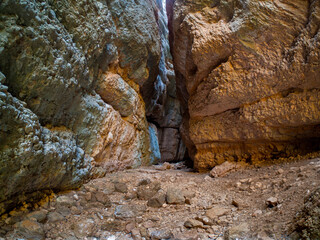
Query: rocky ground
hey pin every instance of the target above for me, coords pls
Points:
(172, 202)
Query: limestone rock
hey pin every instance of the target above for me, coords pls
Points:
(49, 158)
(74, 82)
(248, 75)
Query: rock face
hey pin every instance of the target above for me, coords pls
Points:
(165, 109)
(34, 157)
(78, 81)
(248, 77)
(306, 222)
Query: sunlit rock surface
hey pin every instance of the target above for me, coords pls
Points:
(248, 73)
(79, 80)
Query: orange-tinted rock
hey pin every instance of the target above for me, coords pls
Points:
(251, 71)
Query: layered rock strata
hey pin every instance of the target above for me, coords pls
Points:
(78, 79)
(248, 74)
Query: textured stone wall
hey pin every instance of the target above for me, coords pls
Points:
(305, 224)
(165, 110)
(248, 75)
(78, 79)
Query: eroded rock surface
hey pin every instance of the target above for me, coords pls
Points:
(48, 158)
(306, 223)
(248, 73)
(75, 84)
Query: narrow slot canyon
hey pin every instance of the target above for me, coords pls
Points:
(159, 119)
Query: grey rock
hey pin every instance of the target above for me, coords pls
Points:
(129, 211)
(57, 74)
(65, 201)
(84, 228)
(175, 196)
(161, 234)
(63, 210)
(157, 201)
(154, 144)
(307, 221)
(54, 162)
(169, 143)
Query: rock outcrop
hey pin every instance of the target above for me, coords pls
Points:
(34, 157)
(248, 76)
(78, 81)
(306, 222)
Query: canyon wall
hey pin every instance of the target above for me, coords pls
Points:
(165, 110)
(78, 81)
(248, 76)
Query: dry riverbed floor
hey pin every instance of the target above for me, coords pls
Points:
(172, 202)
